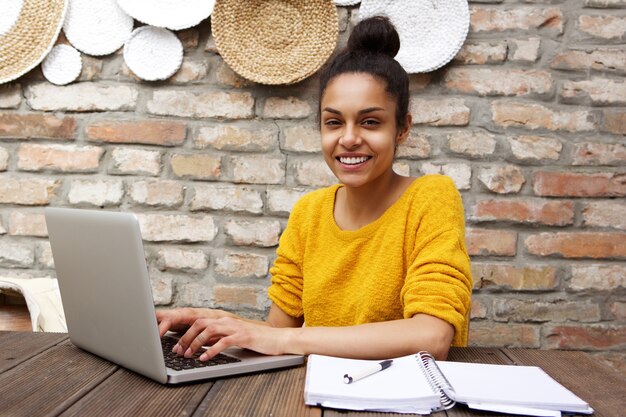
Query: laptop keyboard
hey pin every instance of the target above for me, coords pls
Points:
(179, 363)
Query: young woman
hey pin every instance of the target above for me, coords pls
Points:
(373, 267)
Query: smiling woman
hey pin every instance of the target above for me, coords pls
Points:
(376, 265)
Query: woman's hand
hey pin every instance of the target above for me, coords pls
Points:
(180, 319)
(225, 332)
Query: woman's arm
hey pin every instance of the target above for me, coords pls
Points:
(380, 340)
(284, 334)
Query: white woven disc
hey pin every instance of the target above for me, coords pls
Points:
(153, 53)
(346, 2)
(97, 27)
(10, 13)
(171, 14)
(62, 65)
(431, 31)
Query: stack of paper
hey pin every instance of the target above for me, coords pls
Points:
(399, 388)
(419, 384)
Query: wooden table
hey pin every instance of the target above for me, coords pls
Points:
(43, 374)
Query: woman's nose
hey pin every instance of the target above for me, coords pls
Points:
(350, 138)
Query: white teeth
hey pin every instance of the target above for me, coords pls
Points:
(353, 160)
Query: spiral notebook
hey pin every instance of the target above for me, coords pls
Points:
(420, 384)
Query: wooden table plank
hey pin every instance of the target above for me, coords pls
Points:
(126, 393)
(602, 387)
(48, 383)
(16, 347)
(479, 355)
(277, 393)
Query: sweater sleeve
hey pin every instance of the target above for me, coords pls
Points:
(286, 288)
(439, 281)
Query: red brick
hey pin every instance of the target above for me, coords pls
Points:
(606, 27)
(506, 179)
(488, 19)
(63, 158)
(596, 91)
(535, 148)
(499, 82)
(36, 126)
(592, 337)
(519, 278)
(529, 211)
(482, 53)
(590, 153)
(578, 245)
(27, 191)
(150, 132)
(235, 296)
(571, 184)
(440, 112)
(614, 121)
(486, 242)
(503, 335)
(599, 277)
(605, 214)
(545, 311)
(479, 308)
(205, 167)
(600, 59)
(189, 38)
(618, 309)
(536, 116)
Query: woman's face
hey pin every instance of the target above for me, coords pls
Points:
(358, 128)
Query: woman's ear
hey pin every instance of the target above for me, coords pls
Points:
(404, 132)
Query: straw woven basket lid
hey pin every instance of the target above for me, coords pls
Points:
(275, 41)
(62, 65)
(170, 14)
(28, 30)
(97, 27)
(153, 53)
(431, 31)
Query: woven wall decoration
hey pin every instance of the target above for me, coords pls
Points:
(62, 65)
(431, 31)
(97, 27)
(153, 53)
(28, 30)
(170, 14)
(275, 41)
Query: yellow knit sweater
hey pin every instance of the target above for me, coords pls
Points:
(410, 260)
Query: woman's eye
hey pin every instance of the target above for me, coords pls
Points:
(370, 122)
(332, 122)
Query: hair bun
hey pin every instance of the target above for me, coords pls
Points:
(375, 35)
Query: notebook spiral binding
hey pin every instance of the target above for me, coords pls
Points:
(436, 379)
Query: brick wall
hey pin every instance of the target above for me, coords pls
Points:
(529, 120)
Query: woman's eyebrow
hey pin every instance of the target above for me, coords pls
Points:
(363, 111)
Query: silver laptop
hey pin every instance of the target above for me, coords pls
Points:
(107, 298)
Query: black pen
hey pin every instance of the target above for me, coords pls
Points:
(377, 367)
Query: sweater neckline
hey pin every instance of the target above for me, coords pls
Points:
(369, 228)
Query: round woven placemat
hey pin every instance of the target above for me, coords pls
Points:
(97, 27)
(153, 53)
(62, 65)
(431, 31)
(170, 14)
(275, 41)
(27, 42)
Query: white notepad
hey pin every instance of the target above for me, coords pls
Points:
(419, 384)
